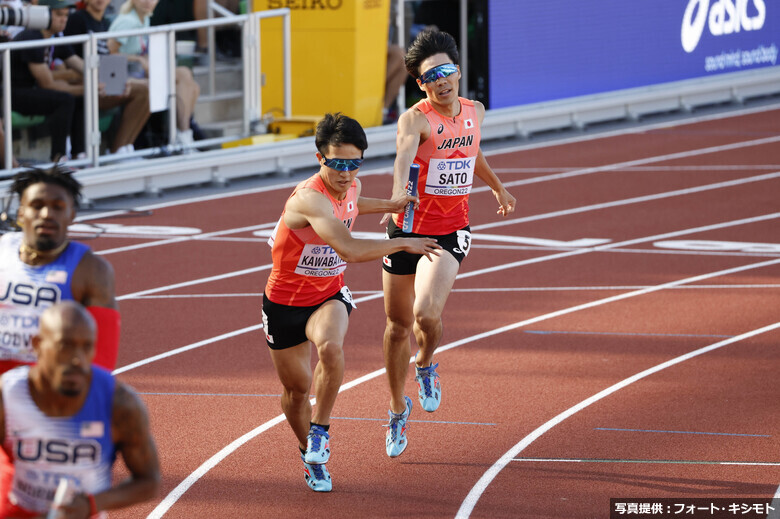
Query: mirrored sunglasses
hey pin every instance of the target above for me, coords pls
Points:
(342, 164)
(435, 73)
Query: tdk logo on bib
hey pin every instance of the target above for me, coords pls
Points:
(319, 261)
(450, 177)
(722, 17)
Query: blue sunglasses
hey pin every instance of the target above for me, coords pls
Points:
(435, 73)
(342, 164)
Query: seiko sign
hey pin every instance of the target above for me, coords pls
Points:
(722, 17)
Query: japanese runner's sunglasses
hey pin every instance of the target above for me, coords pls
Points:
(342, 164)
(435, 73)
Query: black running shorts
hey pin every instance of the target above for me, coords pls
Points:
(404, 263)
(285, 326)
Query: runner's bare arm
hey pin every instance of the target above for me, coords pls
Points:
(133, 439)
(506, 202)
(380, 205)
(318, 212)
(413, 129)
(93, 282)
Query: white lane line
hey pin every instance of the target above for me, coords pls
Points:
(490, 225)
(710, 167)
(606, 287)
(615, 245)
(377, 295)
(185, 238)
(195, 282)
(636, 162)
(189, 347)
(211, 340)
(484, 290)
(629, 201)
(652, 462)
(180, 489)
(479, 488)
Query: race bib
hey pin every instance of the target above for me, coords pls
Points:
(450, 177)
(464, 242)
(347, 295)
(319, 261)
(17, 328)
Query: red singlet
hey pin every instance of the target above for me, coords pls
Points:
(306, 270)
(447, 159)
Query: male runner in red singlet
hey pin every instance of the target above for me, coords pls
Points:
(441, 134)
(40, 266)
(306, 299)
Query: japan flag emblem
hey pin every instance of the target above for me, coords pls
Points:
(468, 123)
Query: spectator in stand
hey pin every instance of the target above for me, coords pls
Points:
(36, 91)
(188, 11)
(200, 12)
(136, 14)
(135, 101)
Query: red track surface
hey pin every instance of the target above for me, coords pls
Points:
(510, 393)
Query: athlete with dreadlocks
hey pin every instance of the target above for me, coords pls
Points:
(40, 266)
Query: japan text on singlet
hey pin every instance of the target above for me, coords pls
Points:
(45, 449)
(26, 291)
(447, 159)
(307, 271)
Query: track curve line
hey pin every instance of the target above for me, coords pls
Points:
(185, 485)
(479, 488)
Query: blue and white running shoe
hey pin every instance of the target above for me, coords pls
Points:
(429, 385)
(317, 477)
(317, 446)
(395, 440)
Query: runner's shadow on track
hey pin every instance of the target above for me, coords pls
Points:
(703, 487)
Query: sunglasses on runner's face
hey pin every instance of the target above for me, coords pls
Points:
(342, 164)
(435, 73)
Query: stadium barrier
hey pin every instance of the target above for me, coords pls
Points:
(250, 26)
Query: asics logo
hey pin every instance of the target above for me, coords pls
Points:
(723, 17)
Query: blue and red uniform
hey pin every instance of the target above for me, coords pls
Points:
(42, 449)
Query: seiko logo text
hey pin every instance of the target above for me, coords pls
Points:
(722, 17)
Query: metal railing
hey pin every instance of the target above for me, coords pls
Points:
(250, 28)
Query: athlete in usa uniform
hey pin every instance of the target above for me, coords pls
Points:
(64, 418)
(26, 291)
(40, 266)
(45, 449)
(305, 300)
(442, 135)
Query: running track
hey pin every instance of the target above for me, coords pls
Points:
(616, 337)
